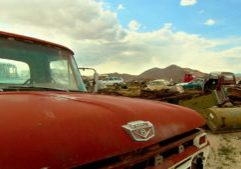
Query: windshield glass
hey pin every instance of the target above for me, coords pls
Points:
(33, 65)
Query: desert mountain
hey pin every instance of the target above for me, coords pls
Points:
(173, 72)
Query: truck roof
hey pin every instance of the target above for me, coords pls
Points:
(33, 40)
(220, 73)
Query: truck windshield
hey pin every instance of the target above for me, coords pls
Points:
(26, 64)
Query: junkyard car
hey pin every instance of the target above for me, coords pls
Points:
(218, 80)
(112, 81)
(162, 84)
(197, 83)
(48, 121)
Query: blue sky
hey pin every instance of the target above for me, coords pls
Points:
(153, 14)
(131, 36)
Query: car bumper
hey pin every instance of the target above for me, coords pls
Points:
(185, 159)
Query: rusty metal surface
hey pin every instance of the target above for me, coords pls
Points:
(224, 119)
(234, 94)
(33, 40)
(145, 158)
(60, 130)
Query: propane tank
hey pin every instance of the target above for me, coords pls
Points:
(221, 119)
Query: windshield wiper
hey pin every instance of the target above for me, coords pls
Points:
(30, 88)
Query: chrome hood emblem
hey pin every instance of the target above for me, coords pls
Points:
(140, 130)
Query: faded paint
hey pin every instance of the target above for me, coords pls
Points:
(78, 130)
(63, 129)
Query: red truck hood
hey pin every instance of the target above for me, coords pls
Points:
(59, 130)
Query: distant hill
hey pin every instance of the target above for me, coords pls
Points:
(173, 72)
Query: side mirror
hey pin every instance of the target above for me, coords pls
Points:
(90, 82)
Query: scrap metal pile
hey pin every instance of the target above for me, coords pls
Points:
(222, 107)
(168, 96)
(234, 94)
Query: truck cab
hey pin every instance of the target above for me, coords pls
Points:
(217, 80)
(49, 121)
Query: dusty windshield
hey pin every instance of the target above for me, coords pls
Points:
(36, 66)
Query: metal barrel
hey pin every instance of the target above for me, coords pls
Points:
(223, 119)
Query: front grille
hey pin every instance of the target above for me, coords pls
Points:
(144, 158)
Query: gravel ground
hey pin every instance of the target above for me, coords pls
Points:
(225, 151)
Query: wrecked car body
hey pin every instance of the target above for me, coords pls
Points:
(164, 85)
(195, 84)
(48, 121)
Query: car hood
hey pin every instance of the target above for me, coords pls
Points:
(59, 130)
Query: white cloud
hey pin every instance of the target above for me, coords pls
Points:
(134, 25)
(188, 2)
(98, 39)
(120, 7)
(210, 22)
(79, 19)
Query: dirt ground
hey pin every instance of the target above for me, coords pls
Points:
(225, 152)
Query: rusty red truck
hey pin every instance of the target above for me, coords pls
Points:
(49, 121)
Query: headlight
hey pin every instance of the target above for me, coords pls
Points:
(200, 140)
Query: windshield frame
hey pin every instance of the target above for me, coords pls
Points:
(68, 54)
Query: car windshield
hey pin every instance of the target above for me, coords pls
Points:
(228, 77)
(36, 66)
